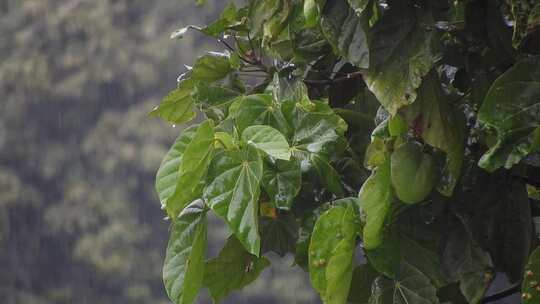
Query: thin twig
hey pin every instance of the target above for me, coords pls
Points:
(335, 80)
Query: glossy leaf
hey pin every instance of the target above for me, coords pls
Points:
(232, 191)
(375, 198)
(233, 269)
(331, 253)
(211, 67)
(268, 140)
(184, 261)
(192, 170)
(282, 181)
(258, 110)
(511, 110)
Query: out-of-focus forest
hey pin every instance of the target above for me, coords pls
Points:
(79, 217)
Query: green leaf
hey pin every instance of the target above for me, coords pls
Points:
(530, 293)
(401, 54)
(282, 181)
(184, 261)
(441, 128)
(279, 234)
(230, 17)
(363, 277)
(331, 253)
(233, 269)
(375, 198)
(177, 106)
(465, 261)
(312, 11)
(268, 140)
(232, 191)
(258, 110)
(511, 110)
(345, 31)
(328, 175)
(214, 100)
(211, 67)
(409, 286)
(192, 170)
(167, 174)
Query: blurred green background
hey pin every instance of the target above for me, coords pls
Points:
(79, 218)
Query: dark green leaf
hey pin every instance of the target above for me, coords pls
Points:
(233, 269)
(232, 191)
(214, 100)
(211, 67)
(511, 109)
(258, 110)
(282, 181)
(279, 234)
(345, 31)
(184, 262)
(401, 54)
(363, 277)
(409, 286)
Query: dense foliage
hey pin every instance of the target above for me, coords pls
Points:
(404, 130)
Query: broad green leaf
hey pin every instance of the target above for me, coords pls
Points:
(401, 54)
(409, 286)
(177, 106)
(268, 140)
(328, 175)
(314, 125)
(211, 67)
(233, 269)
(214, 100)
(345, 31)
(375, 198)
(257, 110)
(529, 287)
(192, 170)
(232, 191)
(363, 277)
(511, 110)
(331, 253)
(282, 181)
(167, 174)
(184, 261)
